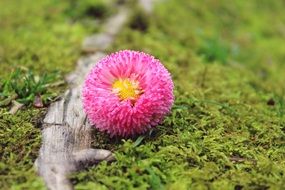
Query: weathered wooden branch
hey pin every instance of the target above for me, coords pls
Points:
(66, 133)
(66, 144)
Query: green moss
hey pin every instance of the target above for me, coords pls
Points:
(20, 142)
(226, 128)
(46, 35)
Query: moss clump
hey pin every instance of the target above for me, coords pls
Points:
(224, 131)
(20, 142)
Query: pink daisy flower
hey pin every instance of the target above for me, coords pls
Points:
(127, 93)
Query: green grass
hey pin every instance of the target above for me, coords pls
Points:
(39, 43)
(26, 87)
(227, 127)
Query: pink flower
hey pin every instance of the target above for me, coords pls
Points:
(127, 93)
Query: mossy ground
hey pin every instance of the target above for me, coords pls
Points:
(42, 37)
(227, 126)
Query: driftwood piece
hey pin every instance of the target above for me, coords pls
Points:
(66, 133)
(66, 144)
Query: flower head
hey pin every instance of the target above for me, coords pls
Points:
(127, 92)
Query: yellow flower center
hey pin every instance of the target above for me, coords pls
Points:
(127, 89)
